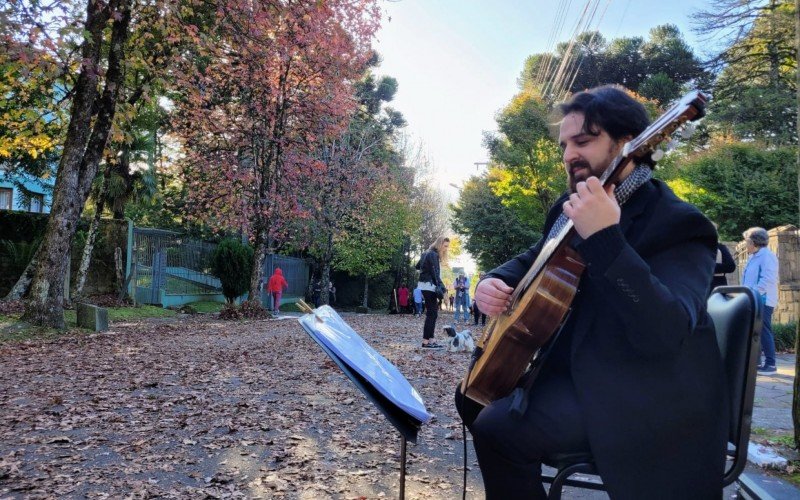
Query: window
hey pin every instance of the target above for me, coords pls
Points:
(6, 195)
(37, 203)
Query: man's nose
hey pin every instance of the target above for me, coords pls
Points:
(570, 155)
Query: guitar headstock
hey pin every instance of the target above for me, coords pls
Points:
(691, 107)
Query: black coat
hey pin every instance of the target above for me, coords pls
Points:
(428, 266)
(723, 266)
(642, 351)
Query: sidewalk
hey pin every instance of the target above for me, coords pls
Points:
(772, 412)
(772, 408)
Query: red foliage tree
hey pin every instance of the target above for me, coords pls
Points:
(261, 89)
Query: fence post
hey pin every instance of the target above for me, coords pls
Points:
(128, 258)
(159, 276)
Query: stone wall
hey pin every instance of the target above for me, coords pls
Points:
(784, 241)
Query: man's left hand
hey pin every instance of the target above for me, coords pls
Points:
(592, 207)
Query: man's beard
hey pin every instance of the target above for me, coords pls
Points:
(583, 168)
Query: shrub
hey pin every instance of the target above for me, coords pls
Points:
(232, 263)
(740, 185)
(785, 335)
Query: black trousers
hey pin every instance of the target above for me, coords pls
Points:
(476, 313)
(510, 450)
(431, 313)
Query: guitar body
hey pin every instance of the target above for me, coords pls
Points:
(513, 339)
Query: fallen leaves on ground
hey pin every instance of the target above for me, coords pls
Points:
(201, 408)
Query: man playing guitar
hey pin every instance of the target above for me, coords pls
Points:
(635, 375)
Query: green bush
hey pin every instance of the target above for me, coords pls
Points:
(21, 226)
(232, 263)
(740, 185)
(785, 335)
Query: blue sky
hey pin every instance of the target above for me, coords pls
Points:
(457, 62)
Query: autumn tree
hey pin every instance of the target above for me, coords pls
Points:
(101, 44)
(530, 176)
(374, 237)
(347, 168)
(267, 83)
(491, 232)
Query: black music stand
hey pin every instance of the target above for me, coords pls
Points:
(386, 394)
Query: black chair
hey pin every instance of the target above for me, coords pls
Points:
(736, 312)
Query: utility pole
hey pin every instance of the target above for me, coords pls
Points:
(796, 388)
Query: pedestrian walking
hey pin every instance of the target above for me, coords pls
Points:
(417, 301)
(275, 286)
(461, 289)
(316, 293)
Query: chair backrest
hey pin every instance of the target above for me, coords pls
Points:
(736, 312)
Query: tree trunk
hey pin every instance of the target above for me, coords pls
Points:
(259, 253)
(120, 273)
(23, 284)
(86, 258)
(83, 148)
(796, 389)
(327, 257)
(324, 293)
(366, 290)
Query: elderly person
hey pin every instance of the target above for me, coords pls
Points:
(761, 274)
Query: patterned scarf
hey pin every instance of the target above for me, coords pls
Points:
(640, 175)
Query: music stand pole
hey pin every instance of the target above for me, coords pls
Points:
(403, 469)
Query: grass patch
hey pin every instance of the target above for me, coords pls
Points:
(140, 312)
(125, 314)
(11, 331)
(787, 441)
(289, 307)
(20, 332)
(206, 306)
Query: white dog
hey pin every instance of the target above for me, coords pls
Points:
(461, 341)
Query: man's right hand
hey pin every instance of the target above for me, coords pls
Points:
(493, 296)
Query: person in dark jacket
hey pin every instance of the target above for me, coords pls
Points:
(724, 265)
(636, 376)
(430, 279)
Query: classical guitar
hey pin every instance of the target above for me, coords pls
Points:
(542, 299)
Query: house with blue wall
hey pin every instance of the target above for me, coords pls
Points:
(24, 192)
